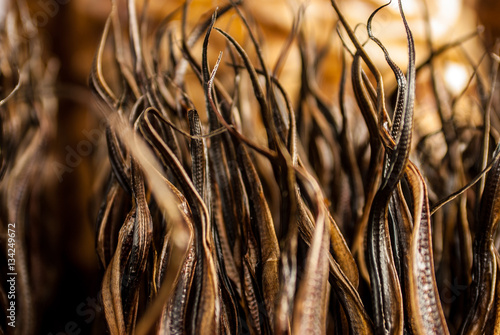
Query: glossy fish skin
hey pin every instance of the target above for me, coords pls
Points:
(205, 279)
(424, 300)
(123, 275)
(386, 290)
(174, 313)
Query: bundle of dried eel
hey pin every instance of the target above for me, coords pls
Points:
(256, 212)
(239, 266)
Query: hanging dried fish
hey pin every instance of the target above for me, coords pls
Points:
(231, 205)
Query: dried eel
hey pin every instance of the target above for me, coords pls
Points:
(247, 269)
(126, 268)
(484, 282)
(421, 290)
